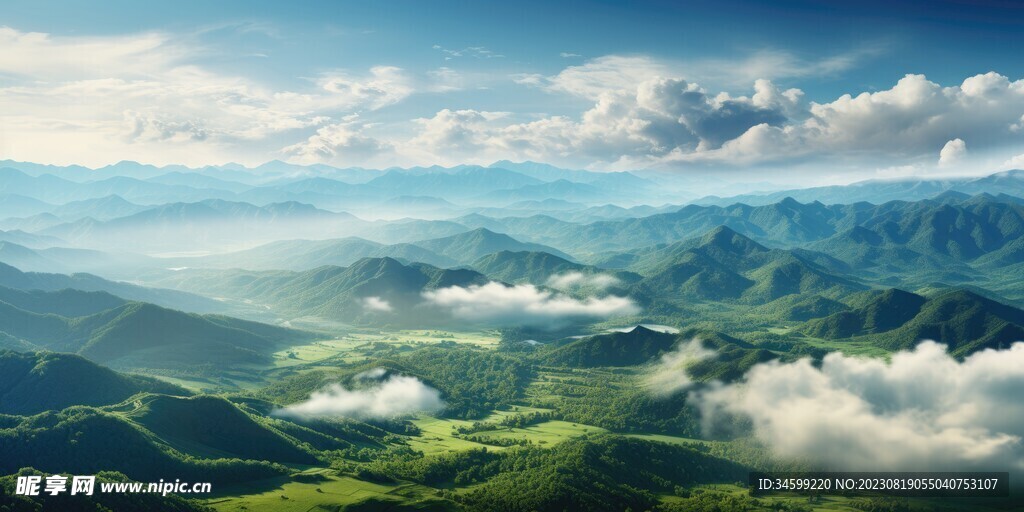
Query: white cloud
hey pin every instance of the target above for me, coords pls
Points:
(570, 280)
(669, 374)
(478, 52)
(372, 374)
(653, 119)
(612, 73)
(383, 86)
(569, 55)
(377, 305)
(1016, 162)
(524, 304)
(922, 411)
(145, 96)
(142, 96)
(608, 73)
(397, 395)
(952, 153)
(342, 144)
(40, 56)
(642, 119)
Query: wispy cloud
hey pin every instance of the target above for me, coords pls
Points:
(669, 375)
(574, 280)
(476, 52)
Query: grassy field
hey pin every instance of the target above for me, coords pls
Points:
(319, 490)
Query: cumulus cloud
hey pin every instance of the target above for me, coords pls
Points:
(341, 143)
(668, 376)
(952, 153)
(524, 304)
(394, 396)
(923, 410)
(377, 305)
(570, 280)
(1016, 162)
(644, 115)
(144, 96)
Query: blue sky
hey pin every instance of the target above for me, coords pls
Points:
(604, 85)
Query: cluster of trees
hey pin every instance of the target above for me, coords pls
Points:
(616, 402)
(473, 382)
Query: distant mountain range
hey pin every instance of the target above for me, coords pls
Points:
(1010, 182)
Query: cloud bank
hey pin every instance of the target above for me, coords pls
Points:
(524, 304)
(922, 411)
(393, 396)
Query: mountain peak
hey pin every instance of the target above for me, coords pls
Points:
(724, 237)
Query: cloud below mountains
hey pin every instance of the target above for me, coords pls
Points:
(923, 410)
(396, 395)
(525, 304)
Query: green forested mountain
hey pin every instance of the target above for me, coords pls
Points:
(637, 346)
(525, 266)
(929, 234)
(973, 226)
(35, 382)
(84, 440)
(961, 319)
(473, 245)
(732, 356)
(537, 267)
(11, 277)
(881, 311)
(145, 335)
(897, 320)
(212, 427)
(67, 302)
(725, 265)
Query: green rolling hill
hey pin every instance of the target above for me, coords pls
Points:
(31, 383)
(212, 427)
(144, 335)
